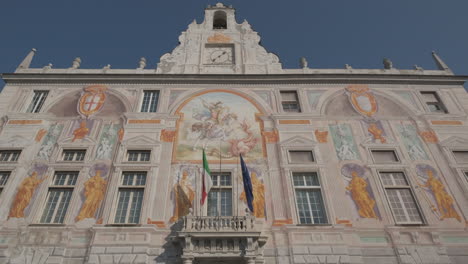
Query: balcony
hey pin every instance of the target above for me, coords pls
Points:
(227, 238)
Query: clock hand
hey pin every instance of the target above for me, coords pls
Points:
(224, 52)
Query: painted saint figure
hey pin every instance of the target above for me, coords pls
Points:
(80, 132)
(94, 192)
(24, 195)
(443, 199)
(358, 188)
(183, 197)
(259, 194)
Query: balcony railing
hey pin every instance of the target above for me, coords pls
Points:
(218, 223)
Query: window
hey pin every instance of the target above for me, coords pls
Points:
(384, 156)
(466, 175)
(220, 195)
(289, 101)
(150, 101)
(4, 175)
(400, 198)
(297, 156)
(74, 154)
(309, 202)
(59, 196)
(37, 101)
(219, 20)
(461, 156)
(130, 197)
(9, 155)
(433, 102)
(138, 155)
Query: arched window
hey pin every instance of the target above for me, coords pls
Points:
(219, 20)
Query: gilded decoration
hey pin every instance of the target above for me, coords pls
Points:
(442, 202)
(375, 129)
(92, 99)
(183, 193)
(24, 122)
(223, 123)
(271, 136)
(429, 136)
(447, 122)
(294, 122)
(159, 224)
(144, 121)
(94, 191)
(321, 136)
(121, 134)
(219, 38)
(81, 131)
(259, 194)
(362, 99)
(282, 222)
(168, 135)
(40, 134)
(359, 189)
(26, 190)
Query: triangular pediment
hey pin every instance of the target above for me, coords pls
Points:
(454, 141)
(140, 140)
(15, 141)
(298, 141)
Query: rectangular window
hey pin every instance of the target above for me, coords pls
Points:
(220, 195)
(290, 102)
(37, 101)
(4, 175)
(297, 156)
(309, 202)
(461, 156)
(130, 197)
(58, 198)
(138, 155)
(433, 102)
(9, 155)
(74, 154)
(400, 197)
(384, 156)
(150, 101)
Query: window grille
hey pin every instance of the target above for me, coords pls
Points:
(59, 196)
(130, 198)
(309, 201)
(150, 101)
(37, 101)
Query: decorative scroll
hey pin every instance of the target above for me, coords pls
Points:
(92, 100)
(362, 99)
(343, 139)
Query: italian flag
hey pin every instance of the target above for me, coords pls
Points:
(206, 180)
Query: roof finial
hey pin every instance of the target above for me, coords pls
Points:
(388, 64)
(76, 63)
(142, 63)
(303, 63)
(440, 63)
(27, 60)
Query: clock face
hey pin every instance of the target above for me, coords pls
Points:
(219, 55)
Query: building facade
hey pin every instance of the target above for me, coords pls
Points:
(347, 165)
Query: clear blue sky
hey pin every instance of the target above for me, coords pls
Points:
(328, 33)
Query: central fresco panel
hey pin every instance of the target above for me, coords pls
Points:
(222, 123)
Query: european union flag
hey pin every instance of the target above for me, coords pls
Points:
(247, 184)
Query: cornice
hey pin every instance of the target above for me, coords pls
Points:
(243, 79)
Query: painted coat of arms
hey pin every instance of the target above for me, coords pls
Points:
(222, 123)
(92, 100)
(362, 99)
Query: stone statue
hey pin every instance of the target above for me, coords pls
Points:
(303, 63)
(387, 64)
(24, 195)
(80, 132)
(183, 197)
(443, 199)
(376, 133)
(358, 188)
(348, 67)
(94, 190)
(418, 68)
(259, 196)
(142, 63)
(76, 63)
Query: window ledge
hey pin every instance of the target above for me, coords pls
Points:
(123, 225)
(47, 224)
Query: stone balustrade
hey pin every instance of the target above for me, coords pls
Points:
(218, 223)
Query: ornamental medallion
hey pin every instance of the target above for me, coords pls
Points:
(92, 100)
(362, 99)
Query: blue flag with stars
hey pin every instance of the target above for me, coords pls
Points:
(247, 185)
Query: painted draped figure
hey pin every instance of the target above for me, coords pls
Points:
(24, 195)
(358, 188)
(183, 197)
(259, 196)
(94, 191)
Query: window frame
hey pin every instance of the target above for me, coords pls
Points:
(395, 151)
(223, 187)
(9, 159)
(455, 157)
(34, 108)
(62, 157)
(322, 194)
(142, 101)
(290, 160)
(409, 187)
(438, 102)
(127, 156)
(4, 182)
(299, 106)
(120, 186)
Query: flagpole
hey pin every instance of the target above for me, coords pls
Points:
(237, 188)
(219, 165)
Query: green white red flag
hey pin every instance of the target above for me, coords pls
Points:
(206, 179)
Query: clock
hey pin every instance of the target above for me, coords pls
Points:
(219, 55)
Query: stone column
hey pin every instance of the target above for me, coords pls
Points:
(187, 260)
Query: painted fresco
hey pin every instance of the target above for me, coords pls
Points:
(412, 142)
(26, 191)
(359, 190)
(94, 191)
(314, 97)
(222, 123)
(442, 203)
(375, 131)
(49, 142)
(109, 137)
(183, 190)
(362, 99)
(92, 100)
(343, 139)
(80, 129)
